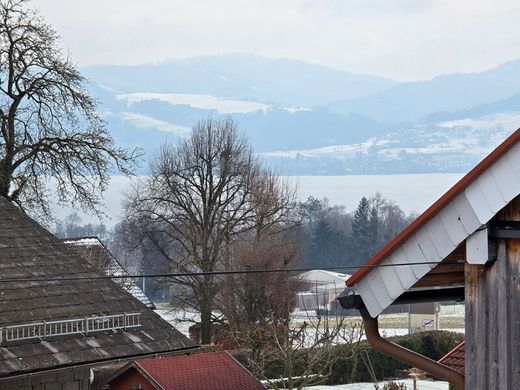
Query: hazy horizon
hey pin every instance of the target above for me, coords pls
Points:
(173, 59)
(404, 40)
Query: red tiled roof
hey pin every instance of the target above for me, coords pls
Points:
(455, 358)
(215, 370)
(512, 140)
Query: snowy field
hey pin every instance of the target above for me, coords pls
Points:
(421, 385)
(206, 102)
(183, 320)
(412, 192)
(180, 320)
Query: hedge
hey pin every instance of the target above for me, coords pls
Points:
(348, 369)
(432, 344)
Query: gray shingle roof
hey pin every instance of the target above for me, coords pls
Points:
(27, 250)
(96, 253)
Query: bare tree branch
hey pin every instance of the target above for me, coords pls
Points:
(49, 124)
(203, 196)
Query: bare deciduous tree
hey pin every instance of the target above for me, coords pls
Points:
(252, 300)
(299, 353)
(49, 124)
(201, 194)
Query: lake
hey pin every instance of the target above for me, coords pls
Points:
(412, 192)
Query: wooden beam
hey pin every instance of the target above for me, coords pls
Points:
(448, 272)
(443, 268)
(511, 212)
(441, 279)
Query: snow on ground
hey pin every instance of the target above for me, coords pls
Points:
(340, 150)
(206, 102)
(501, 120)
(456, 330)
(145, 122)
(421, 385)
(180, 320)
(452, 310)
(293, 109)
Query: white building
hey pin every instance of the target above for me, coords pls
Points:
(319, 289)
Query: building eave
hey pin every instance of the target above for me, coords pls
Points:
(436, 207)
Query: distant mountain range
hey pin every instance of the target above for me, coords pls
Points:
(309, 119)
(243, 76)
(412, 101)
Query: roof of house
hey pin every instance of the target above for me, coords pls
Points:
(437, 232)
(320, 276)
(214, 370)
(54, 316)
(97, 254)
(455, 358)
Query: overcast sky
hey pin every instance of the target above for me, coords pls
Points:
(399, 39)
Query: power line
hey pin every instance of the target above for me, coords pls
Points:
(213, 273)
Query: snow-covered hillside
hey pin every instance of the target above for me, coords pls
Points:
(310, 120)
(453, 146)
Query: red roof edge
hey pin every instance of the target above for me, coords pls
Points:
(452, 352)
(435, 207)
(146, 374)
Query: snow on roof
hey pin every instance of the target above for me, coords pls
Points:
(93, 251)
(324, 277)
(83, 241)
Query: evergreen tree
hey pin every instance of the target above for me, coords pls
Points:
(362, 232)
(321, 234)
(327, 245)
(374, 227)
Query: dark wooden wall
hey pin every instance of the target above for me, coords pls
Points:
(67, 379)
(493, 321)
(131, 380)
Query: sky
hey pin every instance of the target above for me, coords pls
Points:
(400, 39)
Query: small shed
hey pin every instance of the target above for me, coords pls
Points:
(465, 247)
(214, 370)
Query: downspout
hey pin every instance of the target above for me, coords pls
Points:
(414, 359)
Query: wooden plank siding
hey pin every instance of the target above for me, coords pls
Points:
(493, 321)
(493, 314)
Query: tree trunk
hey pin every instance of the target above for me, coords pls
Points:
(205, 323)
(6, 174)
(355, 358)
(206, 304)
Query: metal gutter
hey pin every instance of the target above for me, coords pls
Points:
(446, 294)
(414, 359)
